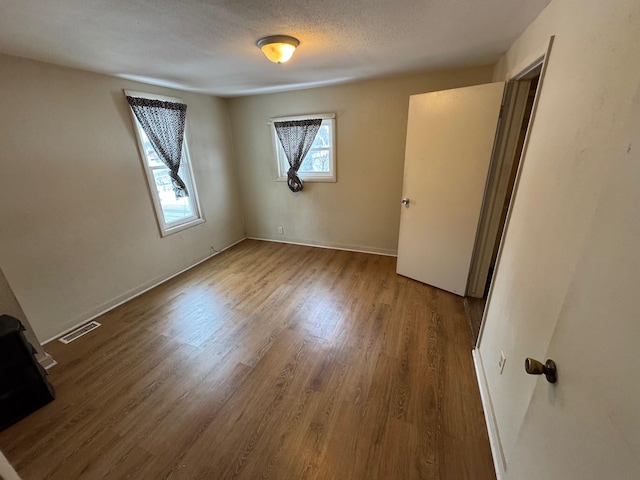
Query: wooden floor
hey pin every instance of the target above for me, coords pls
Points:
(268, 361)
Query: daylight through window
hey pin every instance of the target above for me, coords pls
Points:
(175, 210)
(319, 162)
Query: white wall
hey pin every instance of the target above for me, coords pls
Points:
(77, 228)
(566, 284)
(362, 210)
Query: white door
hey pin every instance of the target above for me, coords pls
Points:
(450, 136)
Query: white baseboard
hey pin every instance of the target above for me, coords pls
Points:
(46, 361)
(334, 246)
(490, 418)
(132, 294)
(7, 471)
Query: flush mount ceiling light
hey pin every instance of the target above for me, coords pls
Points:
(278, 48)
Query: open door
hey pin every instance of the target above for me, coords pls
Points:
(450, 138)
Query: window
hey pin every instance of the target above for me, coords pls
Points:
(319, 164)
(173, 212)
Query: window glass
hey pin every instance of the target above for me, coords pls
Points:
(174, 209)
(173, 213)
(319, 162)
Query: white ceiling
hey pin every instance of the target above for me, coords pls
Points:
(209, 46)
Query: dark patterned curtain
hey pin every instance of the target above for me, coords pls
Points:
(296, 137)
(163, 122)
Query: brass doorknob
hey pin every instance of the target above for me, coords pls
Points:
(549, 369)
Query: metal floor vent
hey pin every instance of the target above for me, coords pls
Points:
(78, 332)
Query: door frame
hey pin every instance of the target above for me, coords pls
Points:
(540, 59)
(495, 193)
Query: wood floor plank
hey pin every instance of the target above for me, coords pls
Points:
(269, 361)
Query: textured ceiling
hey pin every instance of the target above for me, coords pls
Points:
(209, 45)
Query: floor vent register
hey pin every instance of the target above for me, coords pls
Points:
(78, 332)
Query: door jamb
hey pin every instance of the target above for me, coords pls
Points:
(500, 168)
(520, 74)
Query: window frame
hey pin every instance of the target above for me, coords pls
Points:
(185, 162)
(282, 164)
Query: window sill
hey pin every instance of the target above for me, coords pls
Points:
(311, 179)
(182, 226)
